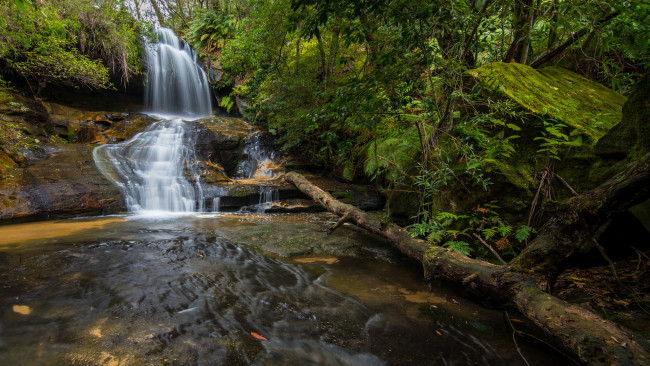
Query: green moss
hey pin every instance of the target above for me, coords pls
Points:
(342, 195)
(532, 290)
(241, 190)
(557, 93)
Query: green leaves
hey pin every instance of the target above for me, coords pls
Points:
(555, 140)
(22, 5)
(210, 29)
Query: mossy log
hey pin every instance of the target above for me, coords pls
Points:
(576, 220)
(592, 339)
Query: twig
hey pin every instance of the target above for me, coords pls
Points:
(514, 339)
(489, 247)
(575, 193)
(612, 265)
(524, 334)
(539, 189)
(343, 220)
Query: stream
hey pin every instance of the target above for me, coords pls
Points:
(196, 290)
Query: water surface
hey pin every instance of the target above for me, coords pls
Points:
(192, 291)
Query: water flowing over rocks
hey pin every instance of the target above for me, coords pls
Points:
(59, 179)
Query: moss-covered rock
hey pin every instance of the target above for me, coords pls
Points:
(550, 94)
(631, 137)
(555, 92)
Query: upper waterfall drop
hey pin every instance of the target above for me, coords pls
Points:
(176, 83)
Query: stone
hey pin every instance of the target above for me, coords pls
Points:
(631, 137)
(555, 92)
(64, 184)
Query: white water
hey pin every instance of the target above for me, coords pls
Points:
(152, 169)
(257, 159)
(176, 84)
(156, 170)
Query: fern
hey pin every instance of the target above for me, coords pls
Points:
(459, 246)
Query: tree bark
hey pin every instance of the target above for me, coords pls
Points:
(523, 12)
(576, 220)
(592, 339)
(573, 38)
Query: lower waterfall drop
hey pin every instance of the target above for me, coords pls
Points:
(152, 169)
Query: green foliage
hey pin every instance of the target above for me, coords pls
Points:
(211, 29)
(555, 140)
(15, 140)
(464, 233)
(227, 102)
(379, 90)
(23, 5)
(105, 30)
(261, 38)
(73, 43)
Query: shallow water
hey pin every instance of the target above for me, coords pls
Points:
(189, 290)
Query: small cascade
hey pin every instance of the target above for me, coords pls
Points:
(216, 194)
(268, 195)
(176, 84)
(258, 160)
(216, 204)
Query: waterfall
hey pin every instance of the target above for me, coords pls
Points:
(176, 84)
(156, 169)
(151, 169)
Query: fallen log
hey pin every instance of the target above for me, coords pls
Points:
(576, 220)
(592, 339)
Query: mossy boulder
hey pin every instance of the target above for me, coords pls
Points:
(543, 98)
(220, 143)
(555, 92)
(631, 137)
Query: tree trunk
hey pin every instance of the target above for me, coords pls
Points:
(523, 13)
(156, 9)
(323, 60)
(552, 33)
(334, 49)
(592, 339)
(297, 70)
(573, 38)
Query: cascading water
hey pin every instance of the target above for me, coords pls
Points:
(152, 168)
(176, 84)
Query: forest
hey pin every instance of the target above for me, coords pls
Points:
(510, 139)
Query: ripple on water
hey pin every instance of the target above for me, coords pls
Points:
(171, 295)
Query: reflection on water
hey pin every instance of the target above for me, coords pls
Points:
(141, 292)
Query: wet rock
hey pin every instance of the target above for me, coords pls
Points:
(304, 235)
(17, 106)
(242, 105)
(64, 184)
(76, 125)
(132, 124)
